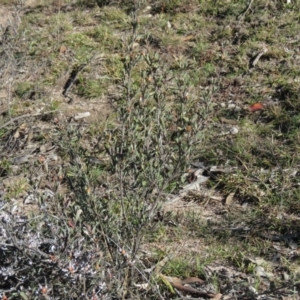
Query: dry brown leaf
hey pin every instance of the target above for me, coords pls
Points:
(82, 115)
(180, 285)
(17, 134)
(62, 49)
(217, 297)
(229, 199)
(189, 280)
(228, 121)
(188, 38)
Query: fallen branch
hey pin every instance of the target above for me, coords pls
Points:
(25, 116)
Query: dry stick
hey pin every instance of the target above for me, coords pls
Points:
(73, 76)
(25, 116)
(246, 11)
(9, 99)
(257, 57)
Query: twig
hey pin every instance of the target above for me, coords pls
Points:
(25, 116)
(257, 57)
(242, 15)
(73, 76)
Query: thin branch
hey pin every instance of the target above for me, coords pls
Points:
(25, 116)
(242, 15)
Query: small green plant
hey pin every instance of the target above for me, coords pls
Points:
(22, 89)
(16, 187)
(5, 167)
(89, 88)
(54, 105)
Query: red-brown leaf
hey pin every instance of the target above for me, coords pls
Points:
(256, 107)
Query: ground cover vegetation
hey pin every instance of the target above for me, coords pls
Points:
(149, 149)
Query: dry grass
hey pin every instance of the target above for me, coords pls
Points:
(165, 84)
